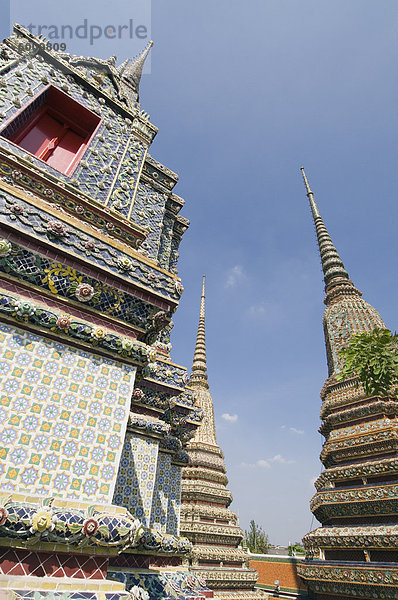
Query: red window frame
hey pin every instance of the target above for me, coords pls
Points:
(69, 115)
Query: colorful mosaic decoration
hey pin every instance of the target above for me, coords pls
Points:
(174, 504)
(63, 417)
(67, 235)
(88, 264)
(136, 476)
(23, 310)
(357, 493)
(166, 586)
(119, 146)
(166, 497)
(85, 527)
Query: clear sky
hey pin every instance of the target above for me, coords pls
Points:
(243, 94)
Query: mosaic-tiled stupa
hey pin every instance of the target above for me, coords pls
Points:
(94, 414)
(206, 520)
(354, 554)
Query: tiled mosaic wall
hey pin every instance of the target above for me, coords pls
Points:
(166, 496)
(148, 211)
(173, 509)
(161, 493)
(63, 416)
(136, 477)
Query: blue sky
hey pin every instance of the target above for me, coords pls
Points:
(243, 94)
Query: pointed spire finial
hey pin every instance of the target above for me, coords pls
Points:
(310, 195)
(335, 276)
(131, 72)
(202, 298)
(199, 368)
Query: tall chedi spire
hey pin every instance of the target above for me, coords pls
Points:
(346, 313)
(357, 493)
(198, 381)
(205, 517)
(335, 276)
(199, 367)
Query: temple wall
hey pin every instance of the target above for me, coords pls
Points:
(63, 417)
(282, 568)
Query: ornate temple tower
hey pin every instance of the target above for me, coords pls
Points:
(355, 552)
(94, 415)
(205, 517)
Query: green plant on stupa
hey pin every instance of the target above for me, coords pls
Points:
(373, 358)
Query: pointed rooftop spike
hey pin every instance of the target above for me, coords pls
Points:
(310, 195)
(198, 377)
(334, 273)
(133, 70)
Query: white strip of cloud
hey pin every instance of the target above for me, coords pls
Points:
(230, 418)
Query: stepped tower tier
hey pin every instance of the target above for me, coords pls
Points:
(354, 553)
(206, 520)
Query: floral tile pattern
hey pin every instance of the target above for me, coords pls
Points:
(136, 478)
(63, 417)
(166, 496)
(161, 493)
(173, 510)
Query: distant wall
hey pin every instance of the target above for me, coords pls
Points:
(272, 567)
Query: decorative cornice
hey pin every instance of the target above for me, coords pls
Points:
(219, 578)
(358, 494)
(376, 466)
(206, 460)
(375, 406)
(360, 503)
(372, 536)
(30, 523)
(77, 204)
(219, 553)
(191, 512)
(166, 374)
(213, 530)
(148, 425)
(160, 177)
(363, 446)
(203, 473)
(31, 216)
(340, 390)
(358, 429)
(24, 311)
(205, 492)
(357, 581)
